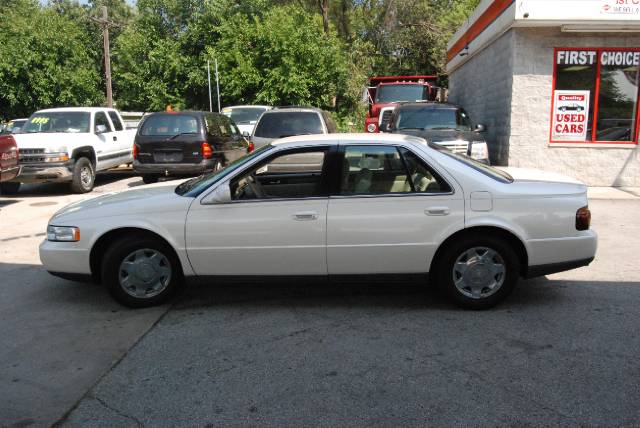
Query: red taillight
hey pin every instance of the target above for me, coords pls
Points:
(583, 218)
(207, 151)
(251, 147)
(135, 151)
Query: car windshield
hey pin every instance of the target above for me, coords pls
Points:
(13, 126)
(197, 185)
(244, 115)
(168, 124)
(66, 121)
(286, 124)
(432, 118)
(396, 93)
(495, 173)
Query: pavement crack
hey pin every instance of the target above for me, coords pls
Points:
(116, 411)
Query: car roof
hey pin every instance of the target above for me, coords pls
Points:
(247, 106)
(360, 138)
(429, 104)
(83, 109)
(294, 109)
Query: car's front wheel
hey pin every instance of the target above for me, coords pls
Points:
(84, 176)
(478, 272)
(141, 272)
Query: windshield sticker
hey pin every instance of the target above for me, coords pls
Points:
(40, 120)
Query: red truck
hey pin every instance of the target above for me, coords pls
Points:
(384, 92)
(9, 167)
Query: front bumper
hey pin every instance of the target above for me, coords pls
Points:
(65, 258)
(10, 173)
(45, 172)
(174, 168)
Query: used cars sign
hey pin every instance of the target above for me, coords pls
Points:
(570, 115)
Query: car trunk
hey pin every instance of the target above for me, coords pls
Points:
(185, 148)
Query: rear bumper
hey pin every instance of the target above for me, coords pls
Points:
(547, 256)
(174, 168)
(44, 173)
(550, 268)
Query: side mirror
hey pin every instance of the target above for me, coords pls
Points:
(480, 128)
(221, 195)
(384, 127)
(101, 129)
(246, 134)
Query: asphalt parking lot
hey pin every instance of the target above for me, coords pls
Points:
(562, 350)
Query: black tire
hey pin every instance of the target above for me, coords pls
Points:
(445, 270)
(84, 176)
(150, 179)
(10, 188)
(123, 249)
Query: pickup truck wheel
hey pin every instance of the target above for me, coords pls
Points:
(9, 188)
(84, 176)
(150, 179)
(141, 272)
(478, 272)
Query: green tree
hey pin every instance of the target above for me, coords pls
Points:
(44, 60)
(280, 57)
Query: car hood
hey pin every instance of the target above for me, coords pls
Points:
(39, 140)
(441, 135)
(146, 200)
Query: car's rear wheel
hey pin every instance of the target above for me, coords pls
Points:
(150, 179)
(10, 188)
(141, 272)
(84, 177)
(478, 272)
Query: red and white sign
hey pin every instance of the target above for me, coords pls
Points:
(570, 115)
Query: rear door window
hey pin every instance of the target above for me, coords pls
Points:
(169, 125)
(101, 119)
(378, 170)
(117, 124)
(286, 124)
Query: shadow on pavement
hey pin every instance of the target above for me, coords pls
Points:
(61, 189)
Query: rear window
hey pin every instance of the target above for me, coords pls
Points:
(286, 124)
(489, 171)
(244, 115)
(170, 124)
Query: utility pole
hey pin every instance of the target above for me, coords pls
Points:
(209, 80)
(217, 85)
(105, 24)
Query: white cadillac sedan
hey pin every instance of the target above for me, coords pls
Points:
(338, 205)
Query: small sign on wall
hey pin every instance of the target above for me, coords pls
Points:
(570, 115)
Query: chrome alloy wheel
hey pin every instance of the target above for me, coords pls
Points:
(86, 177)
(144, 273)
(479, 272)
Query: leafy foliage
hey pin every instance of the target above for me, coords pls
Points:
(40, 67)
(314, 52)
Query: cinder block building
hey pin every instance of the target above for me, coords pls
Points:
(556, 84)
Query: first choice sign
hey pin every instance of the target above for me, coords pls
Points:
(570, 115)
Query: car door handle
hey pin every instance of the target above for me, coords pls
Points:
(115, 138)
(307, 215)
(437, 211)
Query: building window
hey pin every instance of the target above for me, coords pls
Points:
(595, 96)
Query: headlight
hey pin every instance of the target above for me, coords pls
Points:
(56, 157)
(63, 233)
(479, 150)
(371, 127)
